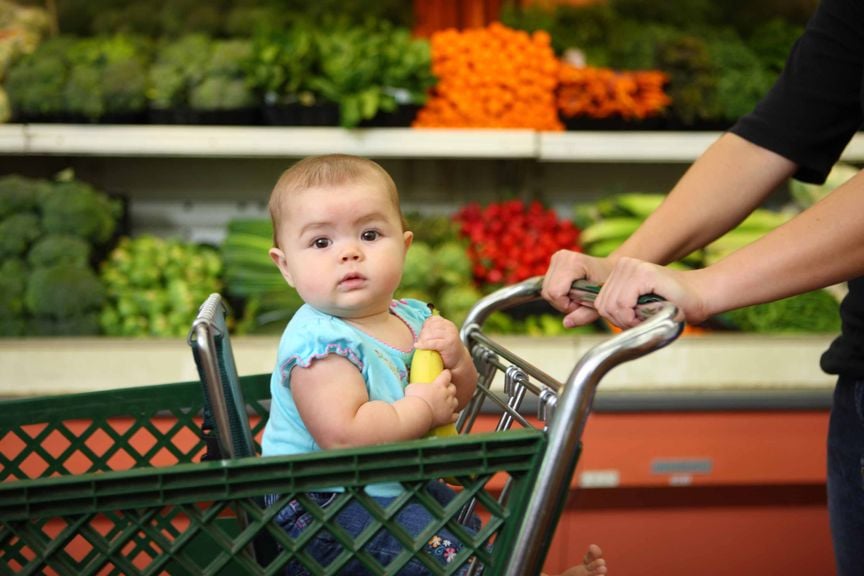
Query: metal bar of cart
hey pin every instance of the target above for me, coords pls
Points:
(571, 402)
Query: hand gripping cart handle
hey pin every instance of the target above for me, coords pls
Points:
(564, 407)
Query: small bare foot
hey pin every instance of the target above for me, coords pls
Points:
(593, 564)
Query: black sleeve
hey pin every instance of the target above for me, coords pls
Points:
(815, 107)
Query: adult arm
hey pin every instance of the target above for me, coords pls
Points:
(717, 192)
(800, 128)
(821, 246)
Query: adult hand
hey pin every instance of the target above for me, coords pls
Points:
(631, 278)
(564, 268)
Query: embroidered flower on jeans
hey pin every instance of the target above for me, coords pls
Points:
(449, 554)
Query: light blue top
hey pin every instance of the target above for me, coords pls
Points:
(310, 335)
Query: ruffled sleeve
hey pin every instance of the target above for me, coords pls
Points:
(312, 335)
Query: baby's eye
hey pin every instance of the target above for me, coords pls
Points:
(321, 242)
(370, 235)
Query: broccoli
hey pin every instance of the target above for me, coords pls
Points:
(178, 67)
(63, 292)
(20, 194)
(83, 91)
(35, 82)
(73, 207)
(56, 249)
(17, 232)
(13, 279)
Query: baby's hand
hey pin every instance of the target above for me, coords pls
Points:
(440, 395)
(442, 335)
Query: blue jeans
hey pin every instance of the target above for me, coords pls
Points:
(846, 476)
(413, 517)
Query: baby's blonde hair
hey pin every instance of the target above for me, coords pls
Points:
(329, 170)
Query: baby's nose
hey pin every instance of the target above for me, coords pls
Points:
(350, 253)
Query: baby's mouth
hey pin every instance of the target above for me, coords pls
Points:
(352, 280)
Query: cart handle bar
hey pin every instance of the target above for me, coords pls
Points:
(658, 329)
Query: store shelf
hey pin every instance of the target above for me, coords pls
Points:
(705, 364)
(235, 141)
(624, 147)
(649, 147)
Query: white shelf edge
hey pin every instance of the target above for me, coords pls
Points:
(250, 141)
(624, 147)
(644, 147)
(253, 141)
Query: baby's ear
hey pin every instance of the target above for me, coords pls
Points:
(408, 237)
(278, 258)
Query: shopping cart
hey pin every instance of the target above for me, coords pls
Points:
(147, 505)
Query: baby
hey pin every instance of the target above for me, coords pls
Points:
(342, 366)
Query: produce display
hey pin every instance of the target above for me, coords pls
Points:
(757, 224)
(609, 222)
(293, 63)
(492, 77)
(196, 75)
(50, 234)
(22, 30)
(511, 241)
(606, 224)
(80, 79)
(816, 311)
(54, 233)
(606, 93)
(437, 268)
(154, 286)
(265, 301)
(805, 195)
(361, 71)
(719, 59)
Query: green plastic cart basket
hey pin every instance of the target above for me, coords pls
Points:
(180, 488)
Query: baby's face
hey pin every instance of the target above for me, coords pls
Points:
(342, 247)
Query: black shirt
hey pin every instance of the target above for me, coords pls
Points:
(809, 116)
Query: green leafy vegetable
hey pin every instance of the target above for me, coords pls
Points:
(816, 311)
